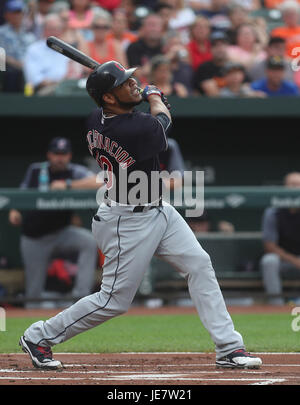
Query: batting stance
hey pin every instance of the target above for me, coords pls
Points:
(129, 235)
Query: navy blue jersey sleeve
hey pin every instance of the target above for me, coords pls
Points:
(152, 137)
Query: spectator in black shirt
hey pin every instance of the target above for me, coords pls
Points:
(147, 46)
(281, 242)
(209, 77)
(45, 232)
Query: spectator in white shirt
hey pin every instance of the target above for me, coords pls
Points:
(181, 19)
(45, 68)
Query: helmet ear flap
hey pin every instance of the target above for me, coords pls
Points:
(99, 83)
(109, 81)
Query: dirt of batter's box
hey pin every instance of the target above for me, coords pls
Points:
(148, 369)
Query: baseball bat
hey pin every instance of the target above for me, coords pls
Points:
(68, 50)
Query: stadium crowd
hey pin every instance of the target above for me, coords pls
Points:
(215, 48)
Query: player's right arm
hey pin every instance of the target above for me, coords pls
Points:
(158, 107)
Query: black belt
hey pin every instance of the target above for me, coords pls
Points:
(138, 208)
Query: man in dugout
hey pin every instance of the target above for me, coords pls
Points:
(49, 232)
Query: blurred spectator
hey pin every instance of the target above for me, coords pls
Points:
(198, 5)
(217, 13)
(248, 50)
(249, 5)
(147, 46)
(150, 4)
(47, 231)
(161, 76)
(209, 77)
(281, 239)
(15, 41)
(164, 10)
(129, 7)
(181, 19)
(290, 31)
(273, 3)
(119, 30)
(70, 35)
(276, 47)
(81, 16)
(199, 45)
(237, 16)
(102, 49)
(235, 86)
(262, 30)
(35, 16)
(43, 67)
(178, 56)
(274, 83)
(109, 5)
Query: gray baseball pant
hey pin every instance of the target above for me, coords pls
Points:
(129, 240)
(37, 253)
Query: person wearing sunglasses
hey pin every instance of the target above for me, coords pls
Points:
(103, 49)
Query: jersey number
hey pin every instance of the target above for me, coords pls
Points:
(107, 167)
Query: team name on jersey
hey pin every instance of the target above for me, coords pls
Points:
(98, 142)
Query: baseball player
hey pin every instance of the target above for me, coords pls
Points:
(123, 140)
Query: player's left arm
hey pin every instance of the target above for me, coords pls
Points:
(157, 101)
(159, 107)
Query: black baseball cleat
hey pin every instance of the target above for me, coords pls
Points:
(41, 356)
(239, 359)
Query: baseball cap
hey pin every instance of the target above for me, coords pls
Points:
(218, 36)
(275, 62)
(276, 40)
(14, 5)
(60, 145)
(230, 66)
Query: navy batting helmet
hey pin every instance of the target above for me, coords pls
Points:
(105, 78)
